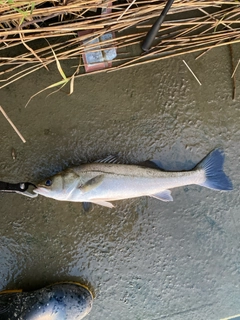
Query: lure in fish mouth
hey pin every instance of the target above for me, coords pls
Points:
(107, 181)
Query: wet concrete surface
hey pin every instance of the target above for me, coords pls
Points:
(145, 259)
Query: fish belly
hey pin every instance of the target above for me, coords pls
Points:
(124, 188)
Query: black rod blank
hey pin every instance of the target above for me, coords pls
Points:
(147, 43)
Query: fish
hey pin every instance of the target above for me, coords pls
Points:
(108, 180)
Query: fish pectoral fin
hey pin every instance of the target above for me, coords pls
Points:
(92, 183)
(163, 195)
(103, 203)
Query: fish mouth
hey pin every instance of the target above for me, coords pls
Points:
(39, 190)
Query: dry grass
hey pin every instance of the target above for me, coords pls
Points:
(207, 24)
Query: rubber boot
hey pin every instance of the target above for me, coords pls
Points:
(61, 301)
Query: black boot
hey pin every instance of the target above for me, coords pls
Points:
(61, 301)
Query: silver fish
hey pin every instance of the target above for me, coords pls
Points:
(102, 182)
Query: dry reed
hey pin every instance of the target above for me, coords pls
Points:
(191, 26)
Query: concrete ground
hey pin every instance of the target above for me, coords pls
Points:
(145, 259)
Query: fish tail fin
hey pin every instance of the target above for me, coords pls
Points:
(212, 165)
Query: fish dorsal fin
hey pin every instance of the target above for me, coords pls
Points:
(153, 164)
(163, 195)
(109, 159)
(103, 203)
(92, 183)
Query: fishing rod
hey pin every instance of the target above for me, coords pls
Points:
(147, 43)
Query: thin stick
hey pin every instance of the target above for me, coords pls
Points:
(235, 69)
(233, 77)
(13, 126)
(126, 10)
(191, 72)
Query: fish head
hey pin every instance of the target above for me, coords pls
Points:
(50, 187)
(58, 186)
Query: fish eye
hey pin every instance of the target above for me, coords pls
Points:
(48, 182)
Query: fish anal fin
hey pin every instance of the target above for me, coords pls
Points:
(163, 195)
(103, 203)
(92, 183)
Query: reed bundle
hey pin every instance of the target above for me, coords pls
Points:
(191, 26)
